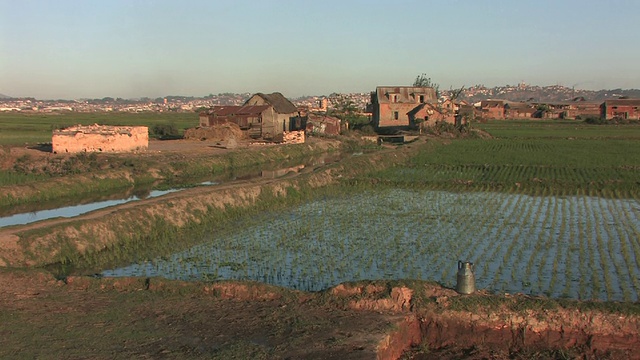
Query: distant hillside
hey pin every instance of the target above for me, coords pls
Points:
(2, 96)
(554, 93)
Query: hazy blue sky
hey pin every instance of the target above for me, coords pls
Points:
(127, 48)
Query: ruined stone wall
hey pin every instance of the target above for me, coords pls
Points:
(100, 138)
(293, 137)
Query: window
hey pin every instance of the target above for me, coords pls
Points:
(421, 99)
(395, 115)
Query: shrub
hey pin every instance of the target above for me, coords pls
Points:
(163, 131)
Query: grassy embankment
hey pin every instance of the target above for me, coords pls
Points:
(85, 178)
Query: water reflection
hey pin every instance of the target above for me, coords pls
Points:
(576, 246)
(272, 174)
(71, 211)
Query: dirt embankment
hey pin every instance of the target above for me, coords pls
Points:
(91, 318)
(432, 328)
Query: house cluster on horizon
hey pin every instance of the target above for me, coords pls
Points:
(406, 107)
(577, 108)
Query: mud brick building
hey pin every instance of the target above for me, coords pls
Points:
(100, 138)
(620, 108)
(284, 116)
(391, 105)
(248, 118)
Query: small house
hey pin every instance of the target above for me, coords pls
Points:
(492, 109)
(323, 124)
(266, 116)
(428, 114)
(283, 114)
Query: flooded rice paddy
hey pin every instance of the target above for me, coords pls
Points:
(575, 247)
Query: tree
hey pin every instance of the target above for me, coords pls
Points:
(345, 110)
(455, 93)
(424, 81)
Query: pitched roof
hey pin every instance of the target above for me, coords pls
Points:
(492, 103)
(237, 110)
(431, 106)
(518, 105)
(622, 102)
(280, 103)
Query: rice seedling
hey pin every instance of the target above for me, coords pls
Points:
(318, 244)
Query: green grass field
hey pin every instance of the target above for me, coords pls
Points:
(557, 129)
(532, 157)
(21, 129)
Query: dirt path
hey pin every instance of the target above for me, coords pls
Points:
(189, 192)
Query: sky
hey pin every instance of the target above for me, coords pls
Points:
(70, 49)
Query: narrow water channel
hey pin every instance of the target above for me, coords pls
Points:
(79, 209)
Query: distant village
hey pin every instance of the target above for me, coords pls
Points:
(500, 102)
